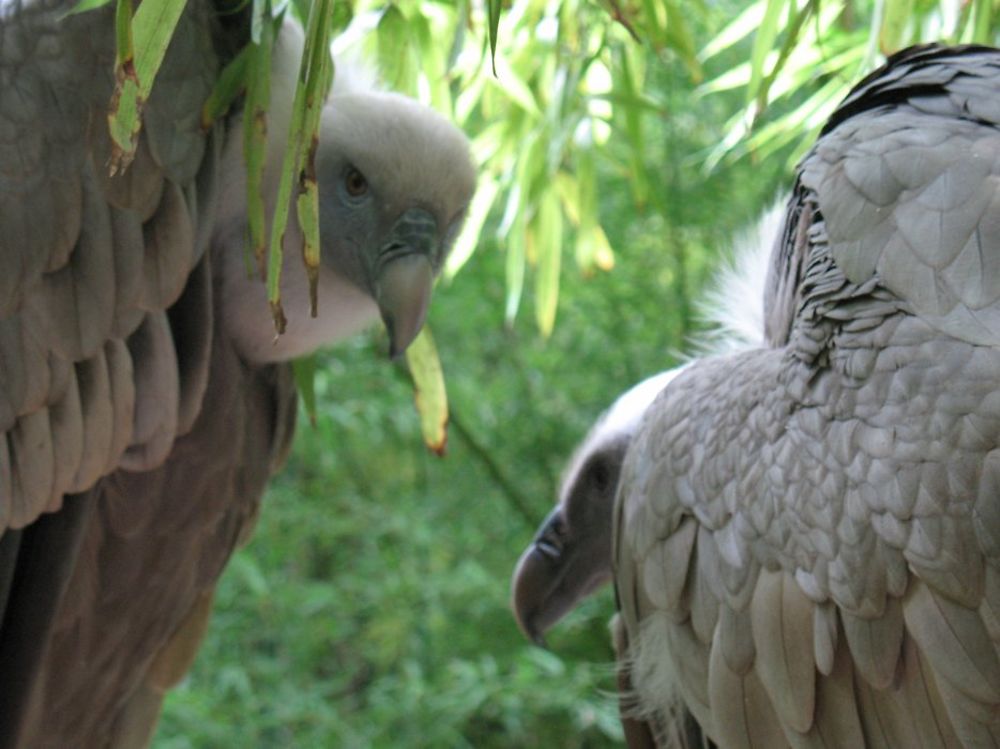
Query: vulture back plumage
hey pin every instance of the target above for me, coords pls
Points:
(808, 534)
(139, 419)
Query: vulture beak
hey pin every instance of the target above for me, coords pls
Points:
(552, 576)
(405, 277)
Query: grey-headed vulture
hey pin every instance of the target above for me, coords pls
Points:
(570, 556)
(143, 400)
(807, 535)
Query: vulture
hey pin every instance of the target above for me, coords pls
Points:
(144, 400)
(806, 544)
(570, 556)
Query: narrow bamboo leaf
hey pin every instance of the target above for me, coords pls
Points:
(631, 85)
(763, 44)
(231, 82)
(982, 22)
(259, 17)
(304, 370)
(654, 22)
(586, 182)
(393, 37)
(124, 43)
(152, 28)
(320, 78)
(515, 87)
(493, 9)
(739, 28)
(548, 238)
(83, 6)
(679, 37)
(466, 242)
(895, 21)
(429, 390)
(514, 272)
(568, 190)
(309, 80)
(255, 144)
(307, 209)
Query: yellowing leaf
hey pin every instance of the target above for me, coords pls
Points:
(429, 391)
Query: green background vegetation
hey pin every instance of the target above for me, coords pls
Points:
(371, 607)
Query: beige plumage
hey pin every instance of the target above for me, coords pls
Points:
(806, 534)
(143, 403)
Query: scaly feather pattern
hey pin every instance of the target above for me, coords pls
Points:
(843, 479)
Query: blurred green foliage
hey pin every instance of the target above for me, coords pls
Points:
(371, 608)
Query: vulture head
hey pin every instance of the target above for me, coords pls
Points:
(395, 179)
(570, 556)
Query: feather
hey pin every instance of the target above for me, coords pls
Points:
(743, 714)
(954, 641)
(665, 569)
(66, 427)
(156, 394)
(875, 643)
(782, 633)
(837, 723)
(33, 462)
(98, 420)
(824, 636)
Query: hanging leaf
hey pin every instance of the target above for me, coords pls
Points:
(546, 233)
(255, 107)
(493, 8)
(479, 209)
(142, 43)
(895, 21)
(231, 82)
(309, 89)
(304, 370)
(763, 43)
(429, 391)
(83, 6)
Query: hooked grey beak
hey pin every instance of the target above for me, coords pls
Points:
(561, 567)
(536, 580)
(405, 278)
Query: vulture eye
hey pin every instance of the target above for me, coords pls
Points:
(355, 183)
(600, 473)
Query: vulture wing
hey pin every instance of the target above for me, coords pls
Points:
(143, 401)
(807, 536)
(106, 328)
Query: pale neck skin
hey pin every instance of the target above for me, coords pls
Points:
(343, 310)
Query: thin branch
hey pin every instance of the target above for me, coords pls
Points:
(511, 493)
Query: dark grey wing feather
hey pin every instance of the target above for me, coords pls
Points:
(107, 332)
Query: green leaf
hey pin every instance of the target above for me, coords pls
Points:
(763, 43)
(429, 391)
(304, 370)
(466, 242)
(313, 76)
(982, 21)
(83, 6)
(546, 232)
(493, 8)
(232, 80)
(895, 22)
(150, 31)
(739, 28)
(255, 144)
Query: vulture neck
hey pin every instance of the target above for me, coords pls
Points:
(343, 309)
